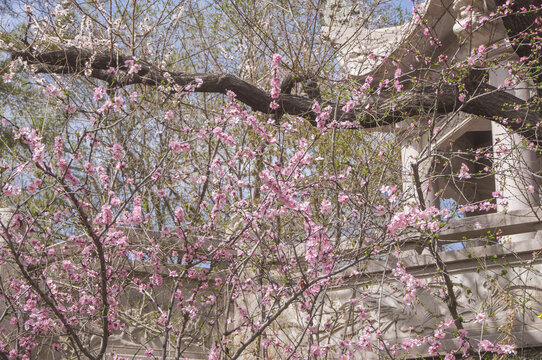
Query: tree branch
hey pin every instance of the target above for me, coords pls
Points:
(375, 110)
(310, 86)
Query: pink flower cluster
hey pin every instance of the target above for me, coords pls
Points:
(486, 345)
(133, 67)
(176, 146)
(464, 172)
(413, 217)
(275, 81)
(322, 116)
(411, 284)
(33, 139)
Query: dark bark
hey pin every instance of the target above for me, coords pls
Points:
(521, 24)
(524, 32)
(376, 110)
(310, 85)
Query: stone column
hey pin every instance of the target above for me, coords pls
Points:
(5, 216)
(410, 154)
(410, 151)
(514, 163)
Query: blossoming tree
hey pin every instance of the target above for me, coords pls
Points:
(184, 179)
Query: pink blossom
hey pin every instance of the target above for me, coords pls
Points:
(276, 59)
(118, 103)
(497, 194)
(161, 193)
(219, 132)
(506, 349)
(275, 92)
(99, 93)
(31, 189)
(325, 207)
(105, 216)
(464, 172)
(88, 167)
(105, 107)
(317, 351)
(115, 201)
(7, 77)
(136, 218)
(434, 348)
(349, 106)
(133, 68)
(51, 90)
(11, 190)
(447, 324)
(343, 198)
(149, 352)
(480, 318)
(316, 107)
(116, 152)
(162, 320)
(214, 353)
(179, 214)
(70, 108)
(174, 146)
(486, 345)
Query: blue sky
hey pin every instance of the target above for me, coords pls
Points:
(407, 4)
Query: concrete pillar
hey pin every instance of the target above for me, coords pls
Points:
(410, 152)
(5, 217)
(513, 162)
(514, 177)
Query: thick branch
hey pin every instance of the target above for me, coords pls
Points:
(310, 86)
(376, 110)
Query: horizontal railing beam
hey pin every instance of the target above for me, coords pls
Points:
(512, 222)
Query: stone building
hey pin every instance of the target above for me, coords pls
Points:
(495, 276)
(488, 274)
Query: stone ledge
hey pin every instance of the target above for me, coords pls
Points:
(512, 222)
(460, 261)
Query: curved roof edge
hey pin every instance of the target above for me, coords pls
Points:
(366, 51)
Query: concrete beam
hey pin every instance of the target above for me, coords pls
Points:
(512, 222)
